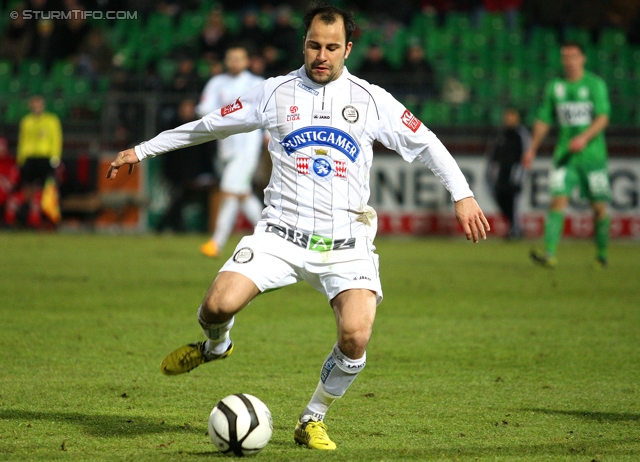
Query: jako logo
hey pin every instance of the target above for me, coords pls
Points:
(321, 136)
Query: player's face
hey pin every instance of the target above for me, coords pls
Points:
(36, 105)
(325, 49)
(573, 62)
(236, 60)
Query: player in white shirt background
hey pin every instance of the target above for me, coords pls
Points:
(238, 155)
(317, 225)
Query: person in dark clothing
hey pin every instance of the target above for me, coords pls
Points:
(504, 171)
(416, 76)
(375, 68)
(189, 175)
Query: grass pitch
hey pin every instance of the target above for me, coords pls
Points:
(476, 354)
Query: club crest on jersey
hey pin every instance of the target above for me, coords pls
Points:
(321, 166)
(321, 136)
(229, 108)
(410, 121)
(350, 114)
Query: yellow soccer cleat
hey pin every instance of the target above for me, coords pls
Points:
(188, 357)
(541, 258)
(313, 434)
(209, 249)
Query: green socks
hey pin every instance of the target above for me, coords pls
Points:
(553, 231)
(602, 236)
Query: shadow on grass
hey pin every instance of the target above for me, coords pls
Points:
(589, 415)
(100, 425)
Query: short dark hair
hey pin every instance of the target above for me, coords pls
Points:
(573, 44)
(328, 15)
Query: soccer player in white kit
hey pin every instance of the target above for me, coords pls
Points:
(317, 225)
(239, 154)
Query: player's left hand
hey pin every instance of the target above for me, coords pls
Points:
(124, 157)
(473, 221)
(578, 143)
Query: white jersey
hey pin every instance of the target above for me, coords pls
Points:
(321, 148)
(222, 90)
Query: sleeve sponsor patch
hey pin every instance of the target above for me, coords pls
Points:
(229, 108)
(411, 122)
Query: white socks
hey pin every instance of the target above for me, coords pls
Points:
(338, 372)
(228, 213)
(218, 335)
(252, 208)
(226, 220)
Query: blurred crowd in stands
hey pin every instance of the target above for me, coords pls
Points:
(275, 49)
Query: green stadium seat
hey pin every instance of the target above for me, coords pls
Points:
(232, 21)
(167, 69)
(62, 71)
(16, 110)
(422, 23)
(470, 114)
(577, 34)
(159, 24)
(31, 68)
(612, 39)
(436, 113)
(456, 22)
(191, 24)
(494, 115)
(60, 107)
(75, 88)
(6, 68)
(394, 48)
(492, 23)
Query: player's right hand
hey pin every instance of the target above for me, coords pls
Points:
(123, 158)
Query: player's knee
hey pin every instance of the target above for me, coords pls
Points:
(218, 307)
(353, 343)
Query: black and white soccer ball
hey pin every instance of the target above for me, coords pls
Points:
(240, 425)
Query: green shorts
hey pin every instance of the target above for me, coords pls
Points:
(593, 182)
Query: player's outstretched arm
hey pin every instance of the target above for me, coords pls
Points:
(473, 221)
(127, 157)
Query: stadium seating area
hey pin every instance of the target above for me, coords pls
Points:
(499, 66)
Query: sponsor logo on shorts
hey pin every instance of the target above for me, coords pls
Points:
(244, 255)
(361, 278)
(321, 136)
(350, 114)
(310, 241)
(410, 121)
(229, 108)
(307, 89)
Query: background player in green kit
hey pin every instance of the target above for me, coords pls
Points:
(579, 104)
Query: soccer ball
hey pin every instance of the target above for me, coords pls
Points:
(240, 425)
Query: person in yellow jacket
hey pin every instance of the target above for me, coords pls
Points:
(39, 152)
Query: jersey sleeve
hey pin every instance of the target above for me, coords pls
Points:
(404, 133)
(546, 111)
(601, 104)
(242, 116)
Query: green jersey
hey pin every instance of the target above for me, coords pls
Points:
(574, 105)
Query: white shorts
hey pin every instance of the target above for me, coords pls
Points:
(272, 262)
(238, 158)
